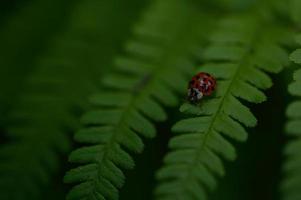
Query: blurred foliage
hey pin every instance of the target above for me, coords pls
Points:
(23, 36)
(291, 184)
(113, 73)
(48, 71)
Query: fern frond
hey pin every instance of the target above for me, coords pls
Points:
(154, 69)
(240, 54)
(54, 97)
(291, 185)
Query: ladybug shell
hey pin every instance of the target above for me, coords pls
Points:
(202, 84)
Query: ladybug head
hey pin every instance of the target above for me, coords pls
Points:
(194, 95)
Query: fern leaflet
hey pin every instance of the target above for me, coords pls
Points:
(294, 9)
(239, 53)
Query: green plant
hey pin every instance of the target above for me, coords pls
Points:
(237, 56)
(77, 79)
(156, 66)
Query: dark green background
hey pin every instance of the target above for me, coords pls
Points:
(255, 174)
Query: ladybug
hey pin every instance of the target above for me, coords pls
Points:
(202, 84)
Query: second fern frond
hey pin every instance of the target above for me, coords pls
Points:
(238, 56)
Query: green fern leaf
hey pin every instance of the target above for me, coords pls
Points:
(291, 184)
(54, 95)
(155, 68)
(240, 54)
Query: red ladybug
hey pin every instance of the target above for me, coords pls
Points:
(202, 84)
